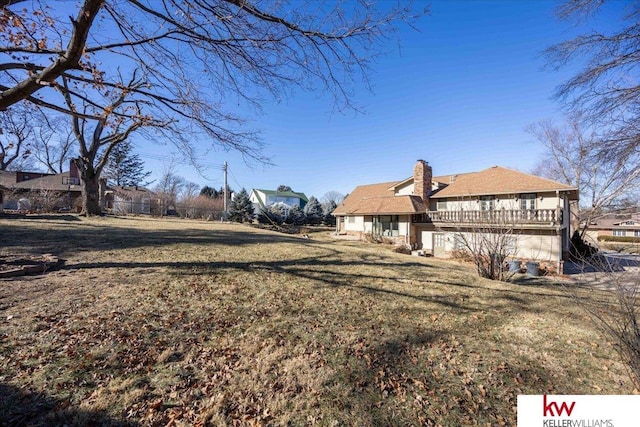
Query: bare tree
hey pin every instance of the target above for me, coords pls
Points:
(488, 238)
(332, 196)
(54, 143)
(97, 138)
(609, 293)
(606, 89)
(169, 187)
(31, 140)
(17, 133)
(573, 156)
(192, 56)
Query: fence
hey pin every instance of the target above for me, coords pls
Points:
(161, 207)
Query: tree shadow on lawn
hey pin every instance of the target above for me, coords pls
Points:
(41, 217)
(401, 279)
(93, 237)
(19, 407)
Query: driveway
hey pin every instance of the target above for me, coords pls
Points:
(607, 270)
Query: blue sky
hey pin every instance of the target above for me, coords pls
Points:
(457, 93)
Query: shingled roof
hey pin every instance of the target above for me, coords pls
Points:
(498, 180)
(379, 199)
(57, 182)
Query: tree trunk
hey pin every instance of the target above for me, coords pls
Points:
(90, 193)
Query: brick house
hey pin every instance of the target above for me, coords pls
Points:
(620, 225)
(428, 213)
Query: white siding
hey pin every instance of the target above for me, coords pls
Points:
(353, 223)
(503, 201)
(406, 190)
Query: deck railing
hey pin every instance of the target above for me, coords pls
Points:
(551, 217)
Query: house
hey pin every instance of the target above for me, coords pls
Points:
(46, 191)
(43, 190)
(621, 225)
(433, 213)
(123, 200)
(264, 199)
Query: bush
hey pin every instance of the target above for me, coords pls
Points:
(269, 218)
(462, 255)
(580, 250)
(402, 249)
(622, 239)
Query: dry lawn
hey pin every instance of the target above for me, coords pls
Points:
(186, 323)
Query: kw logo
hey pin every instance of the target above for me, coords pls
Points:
(552, 409)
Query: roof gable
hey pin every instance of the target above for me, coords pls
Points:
(499, 180)
(379, 199)
(295, 194)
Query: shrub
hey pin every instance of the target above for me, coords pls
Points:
(623, 239)
(402, 249)
(580, 249)
(462, 255)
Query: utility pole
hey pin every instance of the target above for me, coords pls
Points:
(226, 195)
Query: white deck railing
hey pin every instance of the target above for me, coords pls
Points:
(499, 216)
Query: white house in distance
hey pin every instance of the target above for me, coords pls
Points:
(264, 199)
(428, 212)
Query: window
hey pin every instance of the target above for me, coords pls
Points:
(636, 233)
(351, 219)
(458, 242)
(386, 225)
(487, 203)
(620, 233)
(528, 201)
(441, 205)
(70, 180)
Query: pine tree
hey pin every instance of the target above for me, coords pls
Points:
(313, 211)
(329, 207)
(241, 208)
(210, 192)
(124, 167)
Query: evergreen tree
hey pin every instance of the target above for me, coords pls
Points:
(241, 208)
(210, 192)
(313, 211)
(124, 167)
(295, 216)
(329, 207)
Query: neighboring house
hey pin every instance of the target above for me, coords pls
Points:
(429, 212)
(49, 191)
(44, 191)
(264, 199)
(129, 200)
(621, 225)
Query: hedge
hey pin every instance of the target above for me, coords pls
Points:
(623, 239)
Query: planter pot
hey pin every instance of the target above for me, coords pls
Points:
(514, 266)
(533, 268)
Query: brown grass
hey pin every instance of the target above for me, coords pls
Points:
(175, 322)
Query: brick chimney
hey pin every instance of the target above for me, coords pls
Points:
(73, 170)
(422, 175)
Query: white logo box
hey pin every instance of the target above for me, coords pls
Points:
(578, 411)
